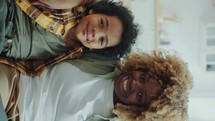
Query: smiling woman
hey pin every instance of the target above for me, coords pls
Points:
(151, 87)
(137, 88)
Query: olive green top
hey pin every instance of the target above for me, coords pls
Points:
(31, 41)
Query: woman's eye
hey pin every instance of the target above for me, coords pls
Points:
(139, 96)
(142, 77)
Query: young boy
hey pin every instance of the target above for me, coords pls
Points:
(44, 36)
(103, 28)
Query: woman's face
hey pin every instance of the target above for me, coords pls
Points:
(136, 88)
(98, 31)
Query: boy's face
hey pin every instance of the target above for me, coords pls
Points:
(136, 88)
(98, 31)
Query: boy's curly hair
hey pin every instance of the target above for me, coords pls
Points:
(171, 105)
(130, 29)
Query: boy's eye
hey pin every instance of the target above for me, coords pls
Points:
(102, 40)
(101, 23)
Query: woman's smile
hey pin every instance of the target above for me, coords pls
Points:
(125, 86)
(136, 88)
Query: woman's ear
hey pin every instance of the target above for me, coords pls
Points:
(90, 11)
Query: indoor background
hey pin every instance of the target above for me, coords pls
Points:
(187, 26)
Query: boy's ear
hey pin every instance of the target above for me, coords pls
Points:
(90, 11)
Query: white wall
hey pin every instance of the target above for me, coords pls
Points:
(144, 14)
(185, 37)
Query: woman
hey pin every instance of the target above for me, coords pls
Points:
(150, 87)
(171, 104)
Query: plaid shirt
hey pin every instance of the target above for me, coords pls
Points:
(55, 21)
(36, 67)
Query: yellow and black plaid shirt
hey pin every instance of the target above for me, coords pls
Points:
(55, 21)
(36, 67)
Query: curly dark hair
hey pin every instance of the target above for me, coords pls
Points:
(130, 29)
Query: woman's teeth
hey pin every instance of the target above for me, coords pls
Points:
(125, 85)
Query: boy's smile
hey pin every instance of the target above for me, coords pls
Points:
(98, 31)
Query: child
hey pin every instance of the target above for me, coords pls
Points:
(102, 30)
(107, 21)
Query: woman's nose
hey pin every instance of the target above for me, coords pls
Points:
(136, 84)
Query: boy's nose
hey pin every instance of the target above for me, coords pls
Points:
(96, 36)
(91, 37)
(98, 32)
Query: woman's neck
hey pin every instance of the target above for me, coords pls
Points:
(116, 99)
